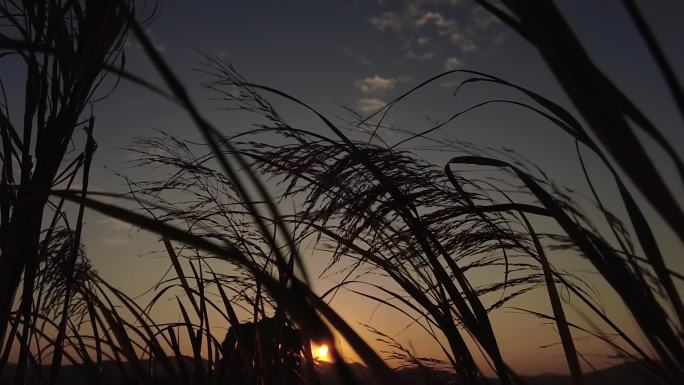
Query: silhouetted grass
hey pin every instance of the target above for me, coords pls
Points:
(425, 226)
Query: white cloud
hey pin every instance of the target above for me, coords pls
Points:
(427, 23)
(446, 27)
(377, 83)
(452, 63)
(435, 18)
(369, 105)
(387, 21)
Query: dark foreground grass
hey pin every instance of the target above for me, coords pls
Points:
(426, 227)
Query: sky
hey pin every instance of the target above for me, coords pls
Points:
(334, 53)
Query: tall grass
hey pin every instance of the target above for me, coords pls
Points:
(426, 227)
(64, 48)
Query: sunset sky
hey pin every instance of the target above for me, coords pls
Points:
(359, 54)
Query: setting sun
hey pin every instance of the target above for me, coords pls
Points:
(320, 353)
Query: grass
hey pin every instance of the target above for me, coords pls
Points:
(370, 206)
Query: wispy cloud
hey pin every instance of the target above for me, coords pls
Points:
(446, 27)
(419, 23)
(452, 63)
(419, 56)
(115, 241)
(369, 105)
(115, 224)
(435, 18)
(423, 40)
(388, 21)
(115, 232)
(377, 83)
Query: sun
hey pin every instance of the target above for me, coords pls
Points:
(321, 353)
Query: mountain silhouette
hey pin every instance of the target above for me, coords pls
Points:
(632, 373)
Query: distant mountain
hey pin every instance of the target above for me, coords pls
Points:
(631, 373)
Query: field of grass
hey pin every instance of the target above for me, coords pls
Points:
(367, 205)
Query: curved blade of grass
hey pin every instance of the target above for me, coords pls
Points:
(649, 314)
(292, 299)
(599, 101)
(557, 307)
(470, 309)
(657, 53)
(215, 141)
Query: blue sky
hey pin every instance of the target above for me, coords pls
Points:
(361, 53)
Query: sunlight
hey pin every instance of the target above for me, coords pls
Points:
(320, 353)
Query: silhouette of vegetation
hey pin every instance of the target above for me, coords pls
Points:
(373, 207)
(65, 48)
(263, 351)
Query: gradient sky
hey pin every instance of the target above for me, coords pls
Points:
(360, 53)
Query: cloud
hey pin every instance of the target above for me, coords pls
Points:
(112, 234)
(464, 43)
(369, 105)
(431, 23)
(423, 40)
(452, 63)
(446, 27)
(115, 224)
(419, 56)
(435, 18)
(388, 21)
(377, 83)
(115, 241)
